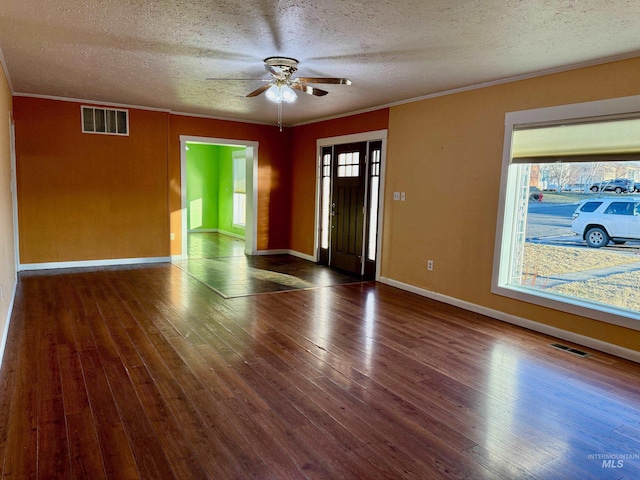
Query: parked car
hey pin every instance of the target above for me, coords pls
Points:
(618, 185)
(601, 220)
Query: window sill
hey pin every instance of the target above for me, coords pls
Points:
(576, 306)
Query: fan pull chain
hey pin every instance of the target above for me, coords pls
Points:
(280, 116)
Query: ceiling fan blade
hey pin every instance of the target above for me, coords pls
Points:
(309, 89)
(242, 79)
(258, 91)
(335, 81)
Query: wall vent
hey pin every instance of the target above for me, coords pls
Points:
(105, 121)
(565, 348)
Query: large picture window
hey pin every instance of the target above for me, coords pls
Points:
(569, 226)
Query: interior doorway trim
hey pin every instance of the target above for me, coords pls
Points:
(14, 194)
(375, 135)
(251, 149)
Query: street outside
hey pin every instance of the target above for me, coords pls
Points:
(558, 260)
(550, 224)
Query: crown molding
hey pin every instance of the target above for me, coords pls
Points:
(6, 72)
(516, 78)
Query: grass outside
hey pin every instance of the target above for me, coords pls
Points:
(548, 260)
(574, 197)
(565, 197)
(619, 290)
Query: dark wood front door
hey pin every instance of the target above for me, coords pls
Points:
(347, 207)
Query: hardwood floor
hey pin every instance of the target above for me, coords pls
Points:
(213, 245)
(142, 372)
(219, 262)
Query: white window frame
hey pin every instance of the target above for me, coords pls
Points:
(504, 236)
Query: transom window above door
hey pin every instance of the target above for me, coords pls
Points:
(349, 164)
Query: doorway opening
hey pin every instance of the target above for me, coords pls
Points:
(350, 184)
(218, 190)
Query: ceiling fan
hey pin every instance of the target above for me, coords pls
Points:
(282, 88)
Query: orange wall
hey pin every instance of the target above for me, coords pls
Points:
(273, 174)
(303, 169)
(7, 248)
(96, 197)
(446, 154)
(87, 196)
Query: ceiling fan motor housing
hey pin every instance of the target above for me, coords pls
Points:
(283, 66)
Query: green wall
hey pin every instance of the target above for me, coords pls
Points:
(210, 188)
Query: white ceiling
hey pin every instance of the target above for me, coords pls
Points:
(159, 53)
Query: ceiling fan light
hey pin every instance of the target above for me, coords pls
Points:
(274, 94)
(288, 94)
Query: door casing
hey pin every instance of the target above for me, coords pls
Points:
(380, 135)
(251, 234)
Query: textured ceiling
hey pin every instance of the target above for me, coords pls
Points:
(159, 54)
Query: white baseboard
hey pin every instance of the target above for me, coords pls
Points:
(280, 251)
(203, 230)
(272, 252)
(5, 334)
(576, 338)
(304, 256)
(92, 263)
(285, 251)
(231, 234)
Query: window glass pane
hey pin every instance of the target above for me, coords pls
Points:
(239, 209)
(590, 206)
(326, 197)
(373, 218)
(620, 208)
(373, 209)
(349, 164)
(240, 174)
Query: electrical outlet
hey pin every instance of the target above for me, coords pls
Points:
(396, 195)
(403, 196)
(430, 265)
(172, 236)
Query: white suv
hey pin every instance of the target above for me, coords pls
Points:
(603, 219)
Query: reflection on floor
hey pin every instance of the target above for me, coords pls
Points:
(219, 262)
